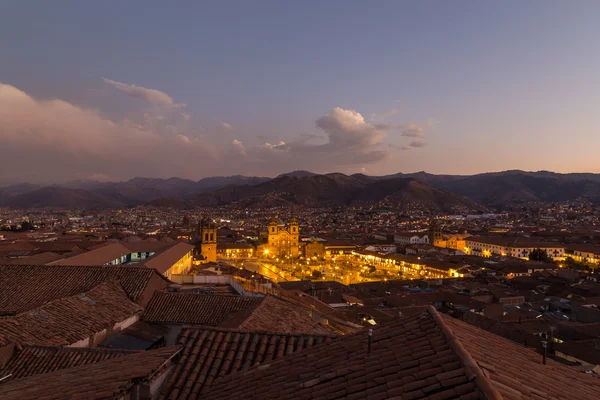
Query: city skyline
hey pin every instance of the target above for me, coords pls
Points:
(90, 92)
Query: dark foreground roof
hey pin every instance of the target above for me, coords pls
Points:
(65, 321)
(107, 379)
(198, 309)
(427, 355)
(34, 360)
(25, 287)
(212, 353)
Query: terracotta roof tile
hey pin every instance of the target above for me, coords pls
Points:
(391, 369)
(66, 321)
(34, 360)
(516, 371)
(106, 379)
(25, 287)
(198, 309)
(211, 353)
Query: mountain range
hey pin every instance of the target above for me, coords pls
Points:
(439, 192)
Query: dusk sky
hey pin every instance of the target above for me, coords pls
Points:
(109, 90)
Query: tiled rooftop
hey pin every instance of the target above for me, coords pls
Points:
(106, 379)
(25, 287)
(34, 360)
(518, 373)
(427, 355)
(198, 309)
(277, 315)
(68, 320)
(213, 352)
(409, 359)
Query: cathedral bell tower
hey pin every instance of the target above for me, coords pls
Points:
(208, 240)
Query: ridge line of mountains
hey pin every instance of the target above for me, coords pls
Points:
(446, 193)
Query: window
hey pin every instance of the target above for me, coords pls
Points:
(212, 237)
(206, 237)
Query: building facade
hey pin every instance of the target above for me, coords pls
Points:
(282, 240)
(206, 241)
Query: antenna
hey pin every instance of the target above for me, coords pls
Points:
(370, 339)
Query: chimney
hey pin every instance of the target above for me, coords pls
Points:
(370, 339)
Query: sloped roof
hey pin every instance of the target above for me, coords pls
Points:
(516, 372)
(25, 287)
(427, 355)
(35, 360)
(68, 320)
(411, 358)
(166, 258)
(214, 352)
(103, 380)
(277, 315)
(99, 256)
(192, 308)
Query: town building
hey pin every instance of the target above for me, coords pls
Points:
(511, 247)
(282, 240)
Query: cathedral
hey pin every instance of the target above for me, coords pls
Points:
(205, 239)
(282, 240)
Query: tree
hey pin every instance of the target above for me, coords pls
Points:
(316, 274)
(539, 255)
(372, 268)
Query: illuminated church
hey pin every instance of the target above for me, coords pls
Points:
(282, 240)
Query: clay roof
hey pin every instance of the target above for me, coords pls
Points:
(409, 359)
(28, 286)
(198, 309)
(516, 372)
(214, 352)
(277, 315)
(99, 256)
(106, 379)
(167, 258)
(427, 355)
(34, 360)
(68, 320)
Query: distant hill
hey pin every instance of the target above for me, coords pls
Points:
(56, 197)
(298, 174)
(336, 189)
(497, 189)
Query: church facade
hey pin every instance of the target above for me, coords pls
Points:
(282, 240)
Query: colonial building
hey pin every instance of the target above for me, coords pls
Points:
(282, 240)
(511, 247)
(435, 235)
(206, 241)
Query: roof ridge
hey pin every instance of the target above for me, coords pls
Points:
(258, 332)
(80, 349)
(471, 366)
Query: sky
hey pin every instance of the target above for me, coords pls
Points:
(110, 90)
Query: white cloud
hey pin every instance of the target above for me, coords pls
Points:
(48, 141)
(152, 96)
(226, 126)
(239, 146)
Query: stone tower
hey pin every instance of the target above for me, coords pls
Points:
(208, 240)
(294, 237)
(435, 234)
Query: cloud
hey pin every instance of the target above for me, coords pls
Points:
(49, 141)
(418, 143)
(348, 129)
(411, 130)
(54, 141)
(239, 146)
(226, 126)
(152, 96)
